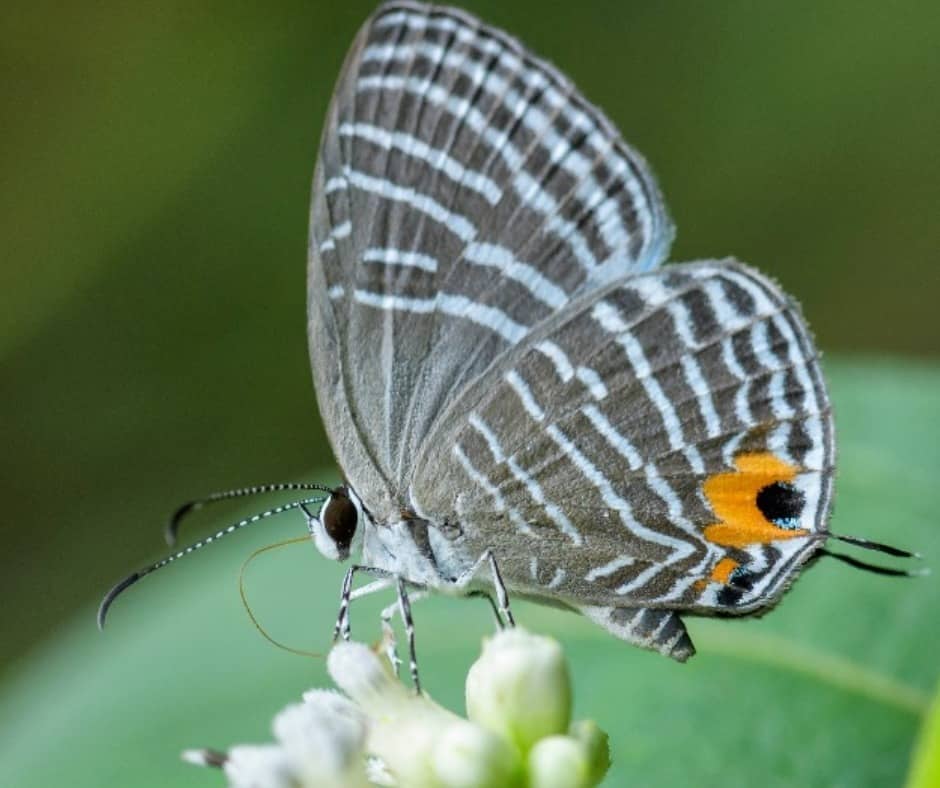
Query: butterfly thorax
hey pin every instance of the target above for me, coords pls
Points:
(420, 550)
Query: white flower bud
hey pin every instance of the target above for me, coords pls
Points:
(559, 762)
(324, 739)
(259, 766)
(378, 774)
(367, 679)
(467, 756)
(404, 726)
(519, 688)
(406, 745)
(596, 748)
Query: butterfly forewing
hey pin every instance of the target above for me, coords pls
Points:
(465, 193)
(664, 441)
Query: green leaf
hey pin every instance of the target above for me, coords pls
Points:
(829, 689)
(925, 767)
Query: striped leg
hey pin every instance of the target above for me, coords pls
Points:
(347, 595)
(405, 608)
(502, 595)
(388, 633)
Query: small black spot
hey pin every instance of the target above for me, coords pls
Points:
(781, 503)
(742, 578)
(730, 596)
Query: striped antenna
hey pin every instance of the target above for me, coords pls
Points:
(131, 579)
(171, 532)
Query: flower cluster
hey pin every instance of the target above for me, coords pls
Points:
(518, 732)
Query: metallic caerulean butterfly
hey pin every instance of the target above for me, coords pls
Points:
(521, 398)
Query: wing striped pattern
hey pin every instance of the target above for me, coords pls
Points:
(604, 435)
(465, 192)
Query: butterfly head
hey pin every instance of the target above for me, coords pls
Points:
(340, 521)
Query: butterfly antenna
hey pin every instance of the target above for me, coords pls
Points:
(131, 579)
(171, 532)
(878, 547)
(878, 570)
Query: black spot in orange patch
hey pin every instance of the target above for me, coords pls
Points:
(781, 503)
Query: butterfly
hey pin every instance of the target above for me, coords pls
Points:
(523, 398)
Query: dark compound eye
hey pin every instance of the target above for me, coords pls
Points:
(782, 504)
(340, 519)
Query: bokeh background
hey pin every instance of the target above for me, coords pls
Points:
(155, 161)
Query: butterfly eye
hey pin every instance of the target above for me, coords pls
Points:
(340, 519)
(781, 503)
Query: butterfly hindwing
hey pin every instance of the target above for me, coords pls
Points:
(665, 441)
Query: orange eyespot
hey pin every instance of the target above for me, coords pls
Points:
(756, 504)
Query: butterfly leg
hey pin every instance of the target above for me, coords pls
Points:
(404, 606)
(502, 596)
(391, 645)
(347, 595)
(493, 607)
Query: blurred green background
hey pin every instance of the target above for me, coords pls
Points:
(155, 161)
